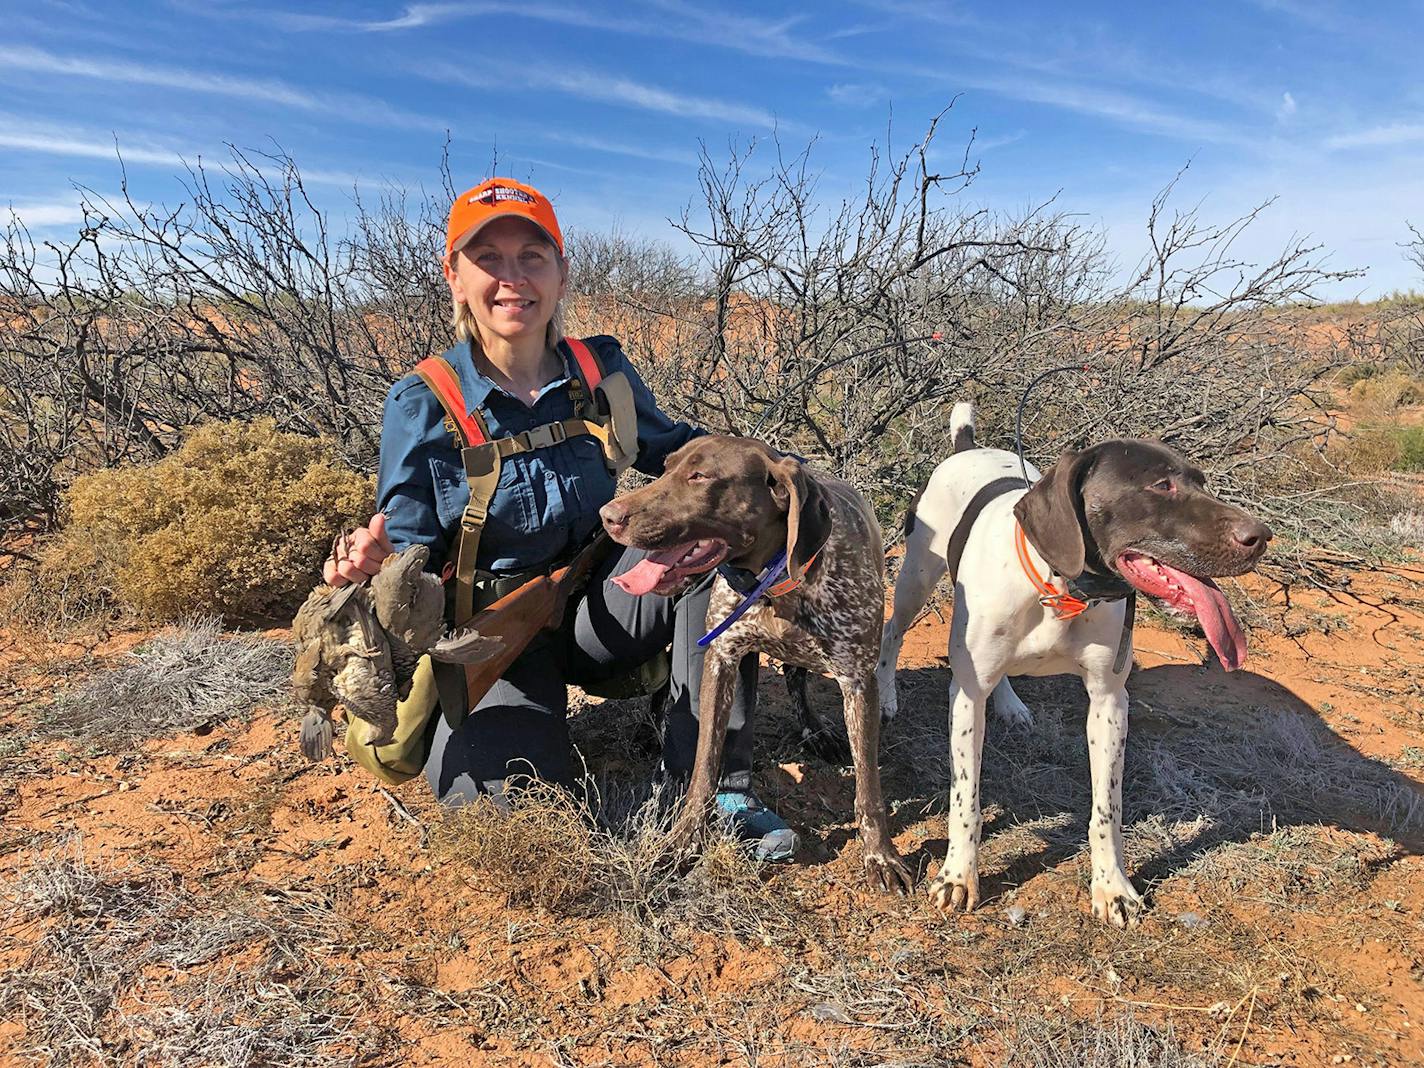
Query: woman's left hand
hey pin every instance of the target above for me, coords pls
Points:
(357, 556)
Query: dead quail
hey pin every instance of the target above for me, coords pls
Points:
(409, 603)
(342, 656)
(358, 645)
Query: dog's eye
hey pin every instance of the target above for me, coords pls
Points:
(697, 476)
(1163, 485)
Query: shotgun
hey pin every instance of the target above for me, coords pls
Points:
(516, 618)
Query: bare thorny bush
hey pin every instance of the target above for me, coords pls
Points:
(845, 332)
(238, 304)
(840, 330)
(1392, 335)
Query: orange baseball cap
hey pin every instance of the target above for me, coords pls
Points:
(494, 199)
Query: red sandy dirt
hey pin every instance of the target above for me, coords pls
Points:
(1318, 979)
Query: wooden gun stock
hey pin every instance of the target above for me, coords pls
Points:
(517, 617)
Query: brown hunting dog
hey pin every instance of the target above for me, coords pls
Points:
(735, 501)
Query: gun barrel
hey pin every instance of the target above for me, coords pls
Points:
(517, 617)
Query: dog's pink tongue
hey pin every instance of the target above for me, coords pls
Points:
(642, 577)
(1215, 615)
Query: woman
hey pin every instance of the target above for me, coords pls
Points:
(504, 262)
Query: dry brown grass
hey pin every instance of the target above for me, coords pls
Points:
(192, 676)
(1256, 833)
(138, 967)
(604, 853)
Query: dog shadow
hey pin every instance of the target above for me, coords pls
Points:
(1211, 758)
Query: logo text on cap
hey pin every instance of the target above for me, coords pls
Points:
(498, 192)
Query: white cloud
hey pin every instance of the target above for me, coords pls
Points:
(619, 148)
(90, 148)
(989, 144)
(1398, 133)
(1287, 107)
(354, 106)
(680, 22)
(135, 149)
(606, 89)
(1118, 107)
(36, 214)
(857, 94)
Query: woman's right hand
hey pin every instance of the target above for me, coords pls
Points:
(357, 556)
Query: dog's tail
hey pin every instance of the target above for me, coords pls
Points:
(961, 427)
(961, 436)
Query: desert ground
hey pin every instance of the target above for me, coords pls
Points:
(206, 896)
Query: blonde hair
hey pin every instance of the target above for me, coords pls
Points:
(462, 320)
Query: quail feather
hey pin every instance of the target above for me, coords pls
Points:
(358, 646)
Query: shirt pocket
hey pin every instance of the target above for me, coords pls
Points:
(589, 485)
(451, 493)
(509, 508)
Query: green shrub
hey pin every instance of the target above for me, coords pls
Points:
(1410, 442)
(235, 522)
(1359, 372)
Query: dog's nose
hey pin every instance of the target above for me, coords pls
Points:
(614, 516)
(1251, 534)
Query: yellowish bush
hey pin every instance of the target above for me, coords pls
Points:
(235, 522)
(1379, 398)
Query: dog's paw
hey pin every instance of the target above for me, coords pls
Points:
(955, 893)
(826, 744)
(1116, 902)
(886, 871)
(1009, 708)
(686, 840)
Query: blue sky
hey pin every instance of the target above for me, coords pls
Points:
(603, 105)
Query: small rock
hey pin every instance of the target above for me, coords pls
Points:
(1218, 1009)
(826, 1012)
(1016, 915)
(1360, 1008)
(1193, 921)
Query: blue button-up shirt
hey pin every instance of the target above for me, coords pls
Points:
(547, 501)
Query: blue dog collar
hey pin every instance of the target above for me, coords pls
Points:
(774, 570)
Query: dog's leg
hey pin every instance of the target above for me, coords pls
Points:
(1114, 899)
(714, 709)
(816, 735)
(1008, 706)
(922, 569)
(957, 884)
(882, 860)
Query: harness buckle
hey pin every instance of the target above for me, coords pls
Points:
(541, 437)
(1064, 606)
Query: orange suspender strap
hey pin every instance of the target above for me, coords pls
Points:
(588, 364)
(482, 462)
(1064, 605)
(445, 384)
(483, 457)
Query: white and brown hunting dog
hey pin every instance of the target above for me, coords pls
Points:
(1118, 517)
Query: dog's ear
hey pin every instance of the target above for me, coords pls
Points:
(1050, 514)
(808, 516)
